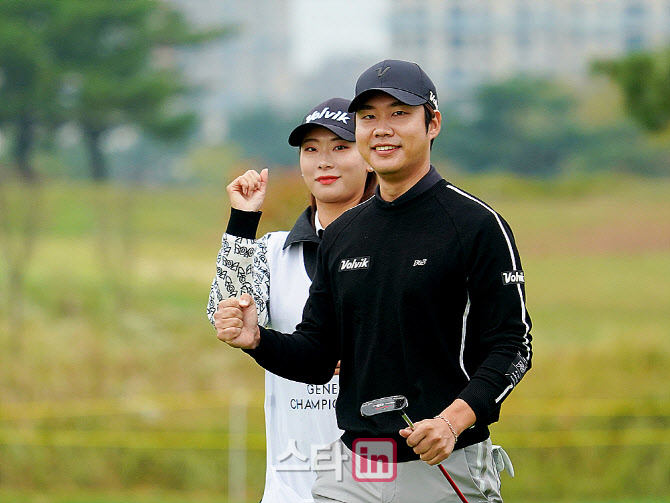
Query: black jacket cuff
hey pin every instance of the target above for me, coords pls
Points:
(243, 224)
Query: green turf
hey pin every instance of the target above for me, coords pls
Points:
(113, 386)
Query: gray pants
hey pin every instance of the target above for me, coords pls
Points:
(472, 468)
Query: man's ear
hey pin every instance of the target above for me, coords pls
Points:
(435, 125)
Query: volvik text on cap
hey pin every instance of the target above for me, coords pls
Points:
(331, 114)
(403, 80)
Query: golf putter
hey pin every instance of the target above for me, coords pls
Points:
(398, 403)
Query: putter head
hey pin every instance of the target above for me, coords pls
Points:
(396, 403)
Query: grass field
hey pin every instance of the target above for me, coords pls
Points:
(171, 498)
(114, 388)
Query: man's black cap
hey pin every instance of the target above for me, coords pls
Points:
(403, 80)
(331, 114)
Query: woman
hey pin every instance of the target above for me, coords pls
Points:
(278, 269)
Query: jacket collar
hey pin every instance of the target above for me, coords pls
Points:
(428, 180)
(302, 230)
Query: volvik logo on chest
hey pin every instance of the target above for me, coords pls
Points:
(354, 264)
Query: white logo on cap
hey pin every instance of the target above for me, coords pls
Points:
(380, 72)
(433, 99)
(336, 116)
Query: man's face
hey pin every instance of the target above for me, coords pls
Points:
(391, 136)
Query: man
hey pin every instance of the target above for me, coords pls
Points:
(420, 292)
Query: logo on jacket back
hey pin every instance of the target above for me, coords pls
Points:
(513, 278)
(354, 264)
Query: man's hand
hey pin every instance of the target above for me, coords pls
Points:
(432, 439)
(247, 192)
(236, 322)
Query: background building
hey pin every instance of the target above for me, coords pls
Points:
(464, 43)
(246, 70)
(460, 43)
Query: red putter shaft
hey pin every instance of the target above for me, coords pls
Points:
(398, 403)
(442, 468)
(453, 484)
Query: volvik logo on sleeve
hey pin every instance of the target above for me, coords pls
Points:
(513, 278)
(354, 264)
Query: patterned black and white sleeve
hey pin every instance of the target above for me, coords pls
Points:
(241, 267)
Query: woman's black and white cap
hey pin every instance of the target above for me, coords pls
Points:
(331, 114)
(403, 80)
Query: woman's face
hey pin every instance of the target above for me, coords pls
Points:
(333, 169)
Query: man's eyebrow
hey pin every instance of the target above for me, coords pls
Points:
(396, 103)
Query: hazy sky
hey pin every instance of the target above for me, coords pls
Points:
(324, 28)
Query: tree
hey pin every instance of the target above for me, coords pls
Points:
(522, 125)
(263, 135)
(102, 62)
(107, 49)
(28, 76)
(531, 127)
(644, 79)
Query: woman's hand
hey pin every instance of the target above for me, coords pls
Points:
(247, 192)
